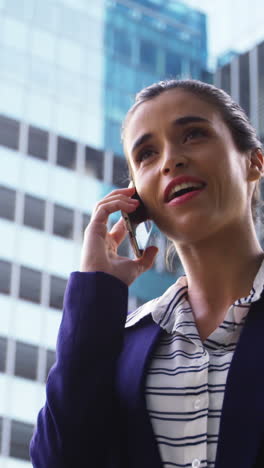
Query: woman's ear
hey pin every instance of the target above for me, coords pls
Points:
(256, 164)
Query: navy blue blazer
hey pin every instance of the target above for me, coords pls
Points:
(95, 413)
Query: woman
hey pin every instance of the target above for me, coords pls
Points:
(179, 383)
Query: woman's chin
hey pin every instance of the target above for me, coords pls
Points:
(190, 230)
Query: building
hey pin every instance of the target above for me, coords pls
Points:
(68, 70)
(243, 78)
(145, 41)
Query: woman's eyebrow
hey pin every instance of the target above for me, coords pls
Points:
(180, 121)
(189, 119)
(142, 139)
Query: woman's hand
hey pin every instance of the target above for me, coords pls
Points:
(99, 252)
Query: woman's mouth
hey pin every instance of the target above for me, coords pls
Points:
(184, 194)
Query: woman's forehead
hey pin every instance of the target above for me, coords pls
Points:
(165, 108)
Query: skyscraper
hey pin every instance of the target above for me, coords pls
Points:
(242, 76)
(68, 72)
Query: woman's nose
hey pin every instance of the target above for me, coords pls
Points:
(172, 161)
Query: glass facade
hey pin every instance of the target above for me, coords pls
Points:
(68, 72)
(153, 40)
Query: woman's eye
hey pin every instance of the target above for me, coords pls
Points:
(194, 133)
(145, 154)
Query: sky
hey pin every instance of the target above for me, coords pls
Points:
(232, 24)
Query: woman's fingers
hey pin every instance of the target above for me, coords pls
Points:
(107, 207)
(129, 191)
(99, 252)
(119, 231)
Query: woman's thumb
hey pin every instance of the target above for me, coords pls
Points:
(146, 261)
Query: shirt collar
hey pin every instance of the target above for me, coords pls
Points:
(169, 309)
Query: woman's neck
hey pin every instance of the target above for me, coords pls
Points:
(219, 271)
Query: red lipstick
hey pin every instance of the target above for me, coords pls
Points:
(181, 180)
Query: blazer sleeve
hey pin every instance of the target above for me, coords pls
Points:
(77, 422)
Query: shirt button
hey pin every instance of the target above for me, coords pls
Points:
(196, 463)
(197, 404)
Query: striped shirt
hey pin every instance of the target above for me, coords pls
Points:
(186, 378)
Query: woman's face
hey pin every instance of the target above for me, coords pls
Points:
(177, 138)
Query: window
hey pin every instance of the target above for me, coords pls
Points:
(22, 10)
(51, 358)
(57, 289)
(172, 64)
(26, 360)
(86, 220)
(63, 222)
(122, 43)
(9, 132)
(226, 78)
(120, 172)
(1, 429)
(112, 135)
(94, 162)
(46, 15)
(30, 284)
(70, 22)
(7, 203)
(21, 434)
(38, 143)
(148, 55)
(5, 277)
(66, 155)
(3, 346)
(244, 81)
(34, 212)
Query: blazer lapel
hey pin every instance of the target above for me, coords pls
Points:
(242, 420)
(139, 444)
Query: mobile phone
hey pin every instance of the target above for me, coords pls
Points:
(139, 226)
